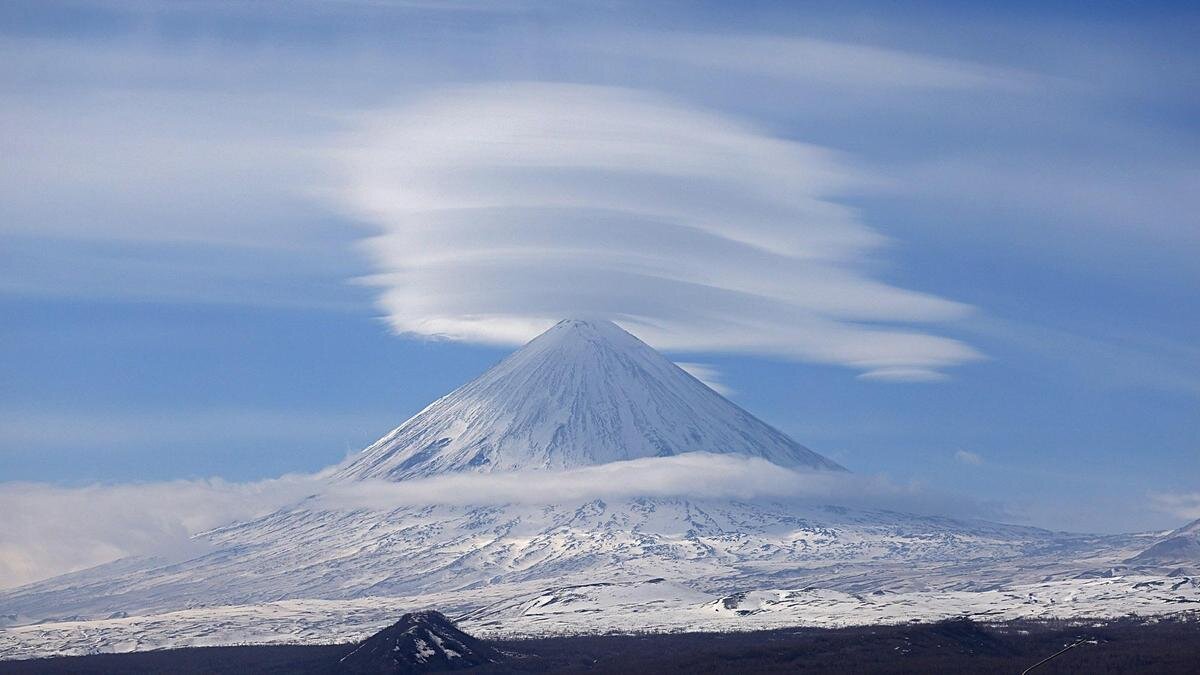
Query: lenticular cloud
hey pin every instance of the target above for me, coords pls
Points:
(503, 208)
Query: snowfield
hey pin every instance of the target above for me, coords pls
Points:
(716, 547)
(650, 606)
(638, 565)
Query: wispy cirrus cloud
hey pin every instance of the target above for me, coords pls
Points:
(902, 374)
(795, 57)
(968, 457)
(40, 429)
(707, 374)
(503, 208)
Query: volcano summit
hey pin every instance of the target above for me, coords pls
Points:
(582, 393)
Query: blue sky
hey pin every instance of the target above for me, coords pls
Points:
(977, 269)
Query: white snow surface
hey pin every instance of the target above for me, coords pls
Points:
(584, 392)
(649, 605)
(326, 575)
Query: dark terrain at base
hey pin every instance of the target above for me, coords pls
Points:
(1126, 646)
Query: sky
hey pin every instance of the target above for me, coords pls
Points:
(951, 247)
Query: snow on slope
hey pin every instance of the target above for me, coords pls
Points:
(583, 392)
(1179, 550)
(715, 547)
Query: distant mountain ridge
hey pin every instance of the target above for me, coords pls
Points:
(584, 392)
(1179, 547)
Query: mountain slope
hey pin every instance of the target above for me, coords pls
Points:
(712, 546)
(582, 393)
(306, 576)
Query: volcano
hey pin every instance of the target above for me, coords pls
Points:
(585, 396)
(584, 392)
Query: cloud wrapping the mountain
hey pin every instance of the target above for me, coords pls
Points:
(49, 530)
(503, 208)
(693, 475)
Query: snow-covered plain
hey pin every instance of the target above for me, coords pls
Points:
(585, 394)
(652, 606)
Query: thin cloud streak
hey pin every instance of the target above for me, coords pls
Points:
(84, 429)
(503, 208)
(968, 457)
(838, 63)
(903, 374)
(707, 374)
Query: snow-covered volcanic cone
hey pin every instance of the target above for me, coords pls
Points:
(582, 393)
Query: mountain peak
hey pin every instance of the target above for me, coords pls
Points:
(584, 324)
(584, 392)
(586, 330)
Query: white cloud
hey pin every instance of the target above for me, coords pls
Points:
(1179, 504)
(903, 374)
(707, 374)
(694, 475)
(504, 208)
(968, 457)
(49, 530)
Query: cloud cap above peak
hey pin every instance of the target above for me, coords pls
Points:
(503, 208)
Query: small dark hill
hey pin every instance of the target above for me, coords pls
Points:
(1131, 645)
(420, 642)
